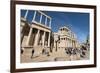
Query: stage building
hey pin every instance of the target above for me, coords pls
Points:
(65, 38)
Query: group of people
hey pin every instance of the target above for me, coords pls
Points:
(74, 51)
(44, 52)
(69, 51)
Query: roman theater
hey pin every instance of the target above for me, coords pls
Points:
(36, 34)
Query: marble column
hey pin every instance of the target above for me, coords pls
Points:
(46, 21)
(68, 43)
(37, 38)
(49, 40)
(43, 38)
(21, 28)
(41, 18)
(34, 16)
(50, 23)
(72, 44)
(75, 44)
(29, 36)
(26, 14)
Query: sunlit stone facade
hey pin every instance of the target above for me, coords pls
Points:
(65, 38)
(35, 29)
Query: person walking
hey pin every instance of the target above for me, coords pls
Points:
(32, 53)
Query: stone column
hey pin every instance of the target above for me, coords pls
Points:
(75, 44)
(50, 23)
(66, 42)
(26, 14)
(21, 33)
(29, 36)
(37, 38)
(41, 18)
(49, 40)
(21, 28)
(70, 42)
(34, 16)
(46, 21)
(43, 38)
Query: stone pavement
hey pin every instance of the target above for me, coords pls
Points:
(59, 55)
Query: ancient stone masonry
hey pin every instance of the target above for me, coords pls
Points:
(39, 43)
(66, 37)
(35, 32)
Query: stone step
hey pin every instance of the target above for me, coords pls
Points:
(28, 51)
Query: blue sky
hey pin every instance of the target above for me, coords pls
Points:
(77, 22)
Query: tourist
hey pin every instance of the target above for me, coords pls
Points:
(32, 53)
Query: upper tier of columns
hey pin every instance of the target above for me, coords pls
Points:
(47, 18)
